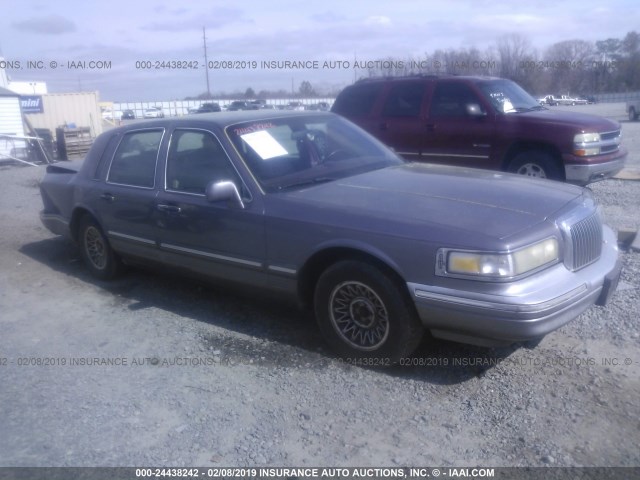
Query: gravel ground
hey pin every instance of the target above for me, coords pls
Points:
(208, 377)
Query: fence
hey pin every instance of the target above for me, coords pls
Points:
(177, 108)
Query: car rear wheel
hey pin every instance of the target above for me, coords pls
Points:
(364, 314)
(96, 252)
(536, 164)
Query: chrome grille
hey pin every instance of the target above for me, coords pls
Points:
(610, 135)
(585, 242)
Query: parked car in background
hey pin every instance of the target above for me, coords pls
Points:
(569, 100)
(590, 99)
(260, 104)
(153, 112)
(110, 114)
(240, 105)
(128, 115)
(485, 123)
(298, 106)
(319, 107)
(208, 108)
(633, 109)
(308, 206)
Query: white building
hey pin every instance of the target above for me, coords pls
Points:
(10, 125)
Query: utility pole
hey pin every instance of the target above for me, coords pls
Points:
(206, 61)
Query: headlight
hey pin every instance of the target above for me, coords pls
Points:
(586, 144)
(502, 265)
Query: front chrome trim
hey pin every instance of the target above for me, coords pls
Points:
(216, 256)
(573, 230)
(125, 236)
(491, 304)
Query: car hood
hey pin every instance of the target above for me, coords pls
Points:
(580, 121)
(406, 199)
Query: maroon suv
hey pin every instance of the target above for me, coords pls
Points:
(483, 122)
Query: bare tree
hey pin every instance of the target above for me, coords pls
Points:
(569, 66)
(514, 52)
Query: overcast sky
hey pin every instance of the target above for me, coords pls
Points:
(125, 32)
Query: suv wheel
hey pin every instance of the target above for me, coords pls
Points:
(364, 314)
(536, 164)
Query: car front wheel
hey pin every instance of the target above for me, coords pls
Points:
(96, 252)
(363, 313)
(536, 164)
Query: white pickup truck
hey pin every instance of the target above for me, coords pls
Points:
(563, 100)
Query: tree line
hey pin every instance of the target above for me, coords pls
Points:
(571, 67)
(567, 67)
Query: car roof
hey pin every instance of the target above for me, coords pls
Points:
(219, 119)
(426, 77)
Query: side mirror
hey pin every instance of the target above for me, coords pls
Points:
(225, 190)
(474, 110)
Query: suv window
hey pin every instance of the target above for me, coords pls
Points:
(450, 99)
(357, 101)
(195, 159)
(134, 162)
(404, 100)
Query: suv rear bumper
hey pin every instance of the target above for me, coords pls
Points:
(582, 174)
(522, 310)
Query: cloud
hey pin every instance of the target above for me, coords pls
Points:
(377, 20)
(46, 25)
(327, 17)
(217, 18)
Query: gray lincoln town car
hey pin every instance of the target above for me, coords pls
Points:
(310, 206)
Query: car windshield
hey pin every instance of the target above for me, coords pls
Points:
(508, 97)
(292, 152)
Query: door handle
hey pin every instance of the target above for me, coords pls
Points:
(108, 197)
(169, 208)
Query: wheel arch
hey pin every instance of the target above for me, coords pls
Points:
(522, 146)
(322, 259)
(76, 217)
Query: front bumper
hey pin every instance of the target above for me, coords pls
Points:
(517, 311)
(583, 174)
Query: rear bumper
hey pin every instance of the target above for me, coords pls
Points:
(523, 310)
(55, 223)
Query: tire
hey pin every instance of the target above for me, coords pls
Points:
(364, 314)
(97, 254)
(633, 116)
(537, 164)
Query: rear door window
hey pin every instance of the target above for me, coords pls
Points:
(404, 100)
(134, 162)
